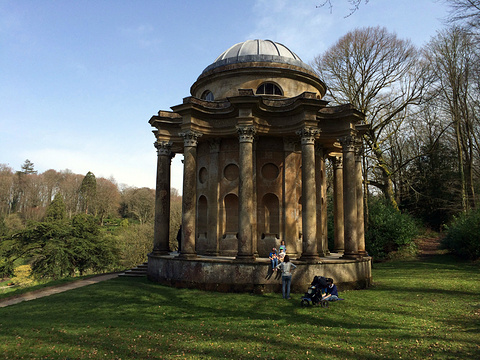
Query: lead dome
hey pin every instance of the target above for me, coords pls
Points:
(252, 63)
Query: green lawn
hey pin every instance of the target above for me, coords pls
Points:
(429, 308)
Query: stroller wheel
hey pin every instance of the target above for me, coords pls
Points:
(324, 304)
(305, 303)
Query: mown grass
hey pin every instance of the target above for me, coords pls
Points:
(428, 308)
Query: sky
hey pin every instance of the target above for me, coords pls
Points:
(79, 80)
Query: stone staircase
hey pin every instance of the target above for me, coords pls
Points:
(138, 271)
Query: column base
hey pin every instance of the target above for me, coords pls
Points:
(211, 253)
(311, 259)
(187, 256)
(245, 258)
(157, 252)
(354, 256)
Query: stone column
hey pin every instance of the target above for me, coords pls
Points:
(321, 184)
(350, 197)
(162, 199)
(290, 201)
(245, 193)
(189, 196)
(338, 214)
(309, 198)
(213, 200)
(359, 191)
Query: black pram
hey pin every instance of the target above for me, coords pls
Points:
(314, 294)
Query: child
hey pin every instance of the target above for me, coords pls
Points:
(273, 259)
(281, 255)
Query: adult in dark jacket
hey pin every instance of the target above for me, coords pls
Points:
(331, 291)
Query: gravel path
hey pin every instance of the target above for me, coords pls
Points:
(55, 289)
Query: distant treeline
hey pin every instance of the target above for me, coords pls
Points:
(62, 224)
(27, 193)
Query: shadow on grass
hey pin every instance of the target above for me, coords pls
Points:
(129, 318)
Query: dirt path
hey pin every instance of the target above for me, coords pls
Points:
(55, 289)
(429, 246)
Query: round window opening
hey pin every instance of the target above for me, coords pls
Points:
(208, 95)
(231, 172)
(270, 171)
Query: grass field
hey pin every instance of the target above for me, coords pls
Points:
(419, 309)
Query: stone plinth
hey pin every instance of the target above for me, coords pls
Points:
(228, 274)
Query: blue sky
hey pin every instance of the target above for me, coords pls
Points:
(79, 80)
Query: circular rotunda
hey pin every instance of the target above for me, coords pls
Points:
(255, 135)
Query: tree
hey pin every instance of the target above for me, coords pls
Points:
(465, 11)
(51, 181)
(61, 248)
(139, 204)
(88, 191)
(355, 4)
(69, 187)
(432, 186)
(454, 60)
(28, 168)
(56, 210)
(382, 76)
(107, 200)
(6, 189)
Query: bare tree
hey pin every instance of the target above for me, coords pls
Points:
(465, 12)
(454, 57)
(355, 4)
(382, 76)
(140, 203)
(69, 187)
(6, 189)
(107, 200)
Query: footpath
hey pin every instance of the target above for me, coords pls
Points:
(55, 289)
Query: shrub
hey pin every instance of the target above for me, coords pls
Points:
(22, 276)
(463, 236)
(65, 247)
(389, 230)
(134, 241)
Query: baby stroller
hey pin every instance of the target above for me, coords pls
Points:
(314, 294)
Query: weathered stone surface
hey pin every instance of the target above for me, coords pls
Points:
(229, 275)
(255, 174)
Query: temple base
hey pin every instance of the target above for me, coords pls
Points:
(228, 274)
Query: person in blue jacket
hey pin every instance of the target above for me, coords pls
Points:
(273, 259)
(331, 292)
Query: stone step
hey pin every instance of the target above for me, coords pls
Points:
(138, 271)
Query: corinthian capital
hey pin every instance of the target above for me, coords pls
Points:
(358, 149)
(348, 143)
(308, 134)
(163, 147)
(246, 133)
(190, 137)
(337, 162)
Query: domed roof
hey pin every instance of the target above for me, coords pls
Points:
(258, 51)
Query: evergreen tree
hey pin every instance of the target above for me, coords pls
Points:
(88, 191)
(28, 167)
(434, 196)
(56, 209)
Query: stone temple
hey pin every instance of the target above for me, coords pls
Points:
(255, 135)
